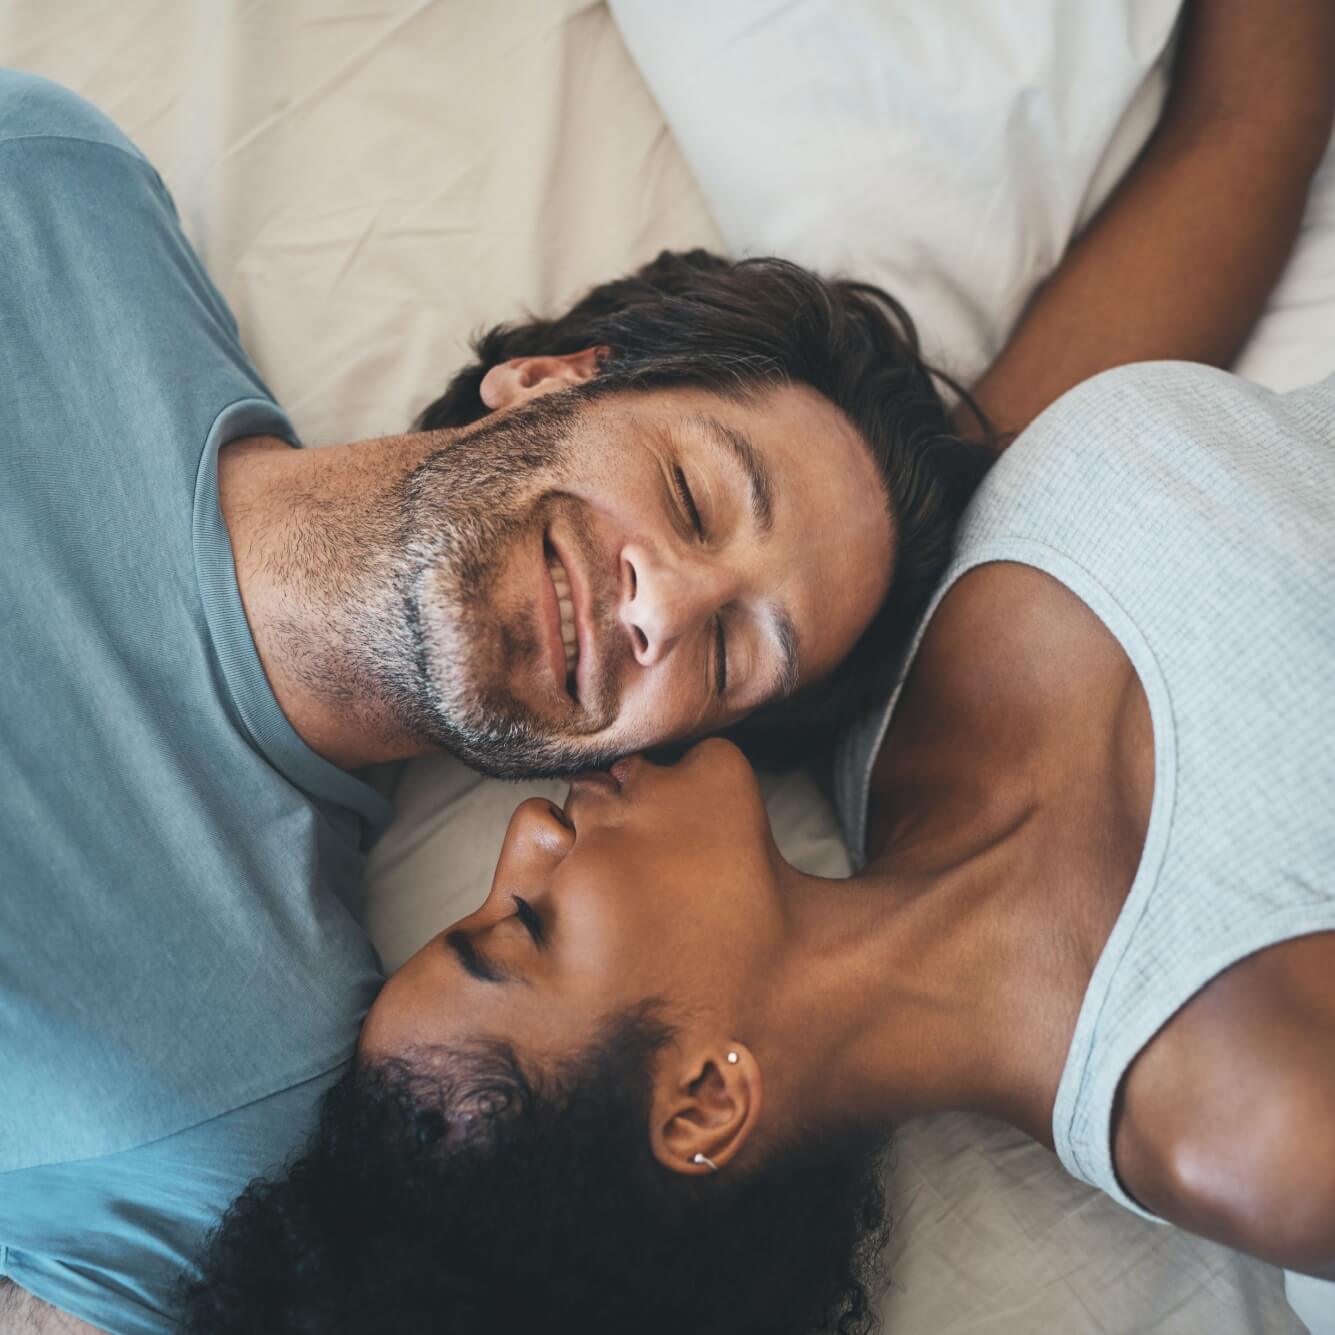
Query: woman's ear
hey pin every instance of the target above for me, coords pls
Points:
(706, 1104)
(524, 378)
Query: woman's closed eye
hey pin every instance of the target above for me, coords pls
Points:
(528, 916)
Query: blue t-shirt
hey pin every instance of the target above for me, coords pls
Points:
(181, 973)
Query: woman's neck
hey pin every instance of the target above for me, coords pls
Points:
(937, 979)
(1010, 802)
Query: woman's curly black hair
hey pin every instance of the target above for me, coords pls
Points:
(739, 326)
(463, 1193)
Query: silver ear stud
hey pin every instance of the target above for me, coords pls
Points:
(732, 1059)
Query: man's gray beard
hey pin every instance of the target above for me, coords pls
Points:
(457, 515)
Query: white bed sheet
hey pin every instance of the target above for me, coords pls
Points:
(371, 180)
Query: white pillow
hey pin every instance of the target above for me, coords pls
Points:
(1293, 343)
(945, 149)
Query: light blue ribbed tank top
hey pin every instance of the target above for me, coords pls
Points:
(1194, 513)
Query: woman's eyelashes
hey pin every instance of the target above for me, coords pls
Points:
(532, 923)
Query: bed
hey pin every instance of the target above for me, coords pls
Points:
(369, 181)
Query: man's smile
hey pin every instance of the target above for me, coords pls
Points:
(562, 633)
(572, 638)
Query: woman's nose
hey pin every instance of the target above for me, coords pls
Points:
(538, 835)
(664, 598)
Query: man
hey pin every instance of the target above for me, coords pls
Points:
(216, 629)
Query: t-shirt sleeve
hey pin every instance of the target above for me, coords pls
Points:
(35, 108)
(110, 1240)
(98, 277)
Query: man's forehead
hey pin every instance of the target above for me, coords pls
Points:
(827, 505)
(832, 507)
(810, 450)
(777, 424)
(816, 495)
(736, 445)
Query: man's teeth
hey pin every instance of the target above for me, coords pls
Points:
(566, 606)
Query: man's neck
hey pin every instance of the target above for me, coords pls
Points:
(22, 1314)
(309, 531)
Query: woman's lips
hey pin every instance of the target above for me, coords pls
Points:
(595, 778)
(610, 780)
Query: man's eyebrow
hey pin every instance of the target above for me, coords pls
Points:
(761, 487)
(790, 657)
(759, 482)
(473, 963)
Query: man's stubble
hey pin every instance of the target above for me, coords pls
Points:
(407, 579)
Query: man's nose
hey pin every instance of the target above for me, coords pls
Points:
(666, 596)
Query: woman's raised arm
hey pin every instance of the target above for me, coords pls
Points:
(1179, 261)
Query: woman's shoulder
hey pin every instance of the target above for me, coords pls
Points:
(1225, 1122)
(1117, 399)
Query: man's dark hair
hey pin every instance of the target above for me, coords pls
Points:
(464, 1193)
(739, 326)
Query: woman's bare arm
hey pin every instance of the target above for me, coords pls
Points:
(1179, 261)
(22, 1314)
(1226, 1118)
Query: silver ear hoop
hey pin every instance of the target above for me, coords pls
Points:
(703, 1160)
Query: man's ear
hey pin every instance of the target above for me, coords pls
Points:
(706, 1104)
(524, 378)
